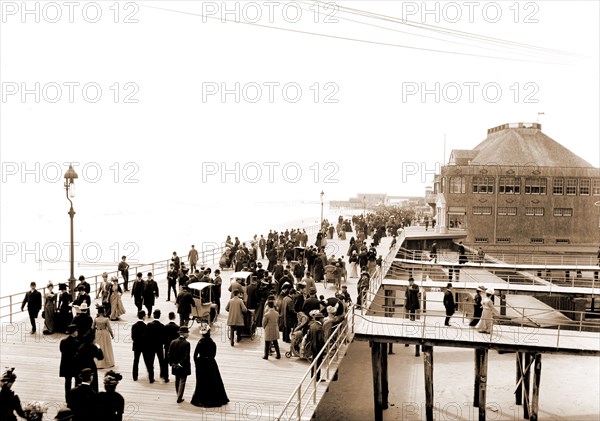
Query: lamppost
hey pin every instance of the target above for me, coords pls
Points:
(70, 177)
(364, 206)
(322, 194)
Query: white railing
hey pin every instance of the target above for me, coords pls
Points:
(303, 399)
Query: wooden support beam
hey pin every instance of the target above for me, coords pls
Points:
(535, 393)
(476, 382)
(519, 391)
(376, 367)
(526, 376)
(385, 391)
(428, 366)
(482, 357)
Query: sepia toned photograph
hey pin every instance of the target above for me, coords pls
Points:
(300, 210)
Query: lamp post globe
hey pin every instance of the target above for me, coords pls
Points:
(70, 177)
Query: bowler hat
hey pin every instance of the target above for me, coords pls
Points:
(184, 329)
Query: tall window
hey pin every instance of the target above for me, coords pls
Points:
(596, 187)
(584, 186)
(571, 189)
(483, 184)
(558, 186)
(509, 185)
(535, 185)
(457, 184)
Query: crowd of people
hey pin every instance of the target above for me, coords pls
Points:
(281, 299)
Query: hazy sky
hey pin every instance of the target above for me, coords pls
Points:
(155, 104)
(333, 114)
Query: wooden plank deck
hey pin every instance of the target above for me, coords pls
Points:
(431, 331)
(257, 389)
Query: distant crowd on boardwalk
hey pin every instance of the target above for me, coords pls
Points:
(281, 298)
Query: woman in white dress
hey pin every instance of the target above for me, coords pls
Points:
(486, 322)
(104, 337)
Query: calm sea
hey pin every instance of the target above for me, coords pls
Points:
(39, 250)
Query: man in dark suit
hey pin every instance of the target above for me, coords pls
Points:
(68, 348)
(153, 342)
(84, 322)
(124, 269)
(184, 304)
(170, 333)
(85, 284)
(82, 297)
(138, 331)
(150, 293)
(172, 276)
(33, 300)
(448, 304)
(137, 291)
(83, 399)
(179, 359)
(85, 358)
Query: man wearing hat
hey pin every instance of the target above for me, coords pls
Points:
(235, 320)
(123, 267)
(138, 336)
(477, 307)
(68, 348)
(154, 334)
(172, 276)
(346, 295)
(184, 303)
(193, 257)
(449, 304)
(312, 302)
(82, 296)
(83, 399)
(33, 301)
(317, 340)
(83, 320)
(85, 284)
(411, 298)
(179, 359)
(137, 291)
(150, 293)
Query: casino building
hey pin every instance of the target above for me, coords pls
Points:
(519, 188)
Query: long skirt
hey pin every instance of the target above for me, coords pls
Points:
(117, 309)
(104, 340)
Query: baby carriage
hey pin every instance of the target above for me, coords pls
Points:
(300, 346)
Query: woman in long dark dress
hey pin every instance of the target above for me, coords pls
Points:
(210, 391)
(111, 404)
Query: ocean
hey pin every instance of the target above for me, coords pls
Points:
(38, 250)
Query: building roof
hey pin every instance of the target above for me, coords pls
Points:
(520, 144)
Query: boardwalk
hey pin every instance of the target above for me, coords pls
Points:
(431, 331)
(257, 389)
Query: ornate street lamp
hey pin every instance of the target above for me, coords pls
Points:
(70, 177)
(322, 194)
